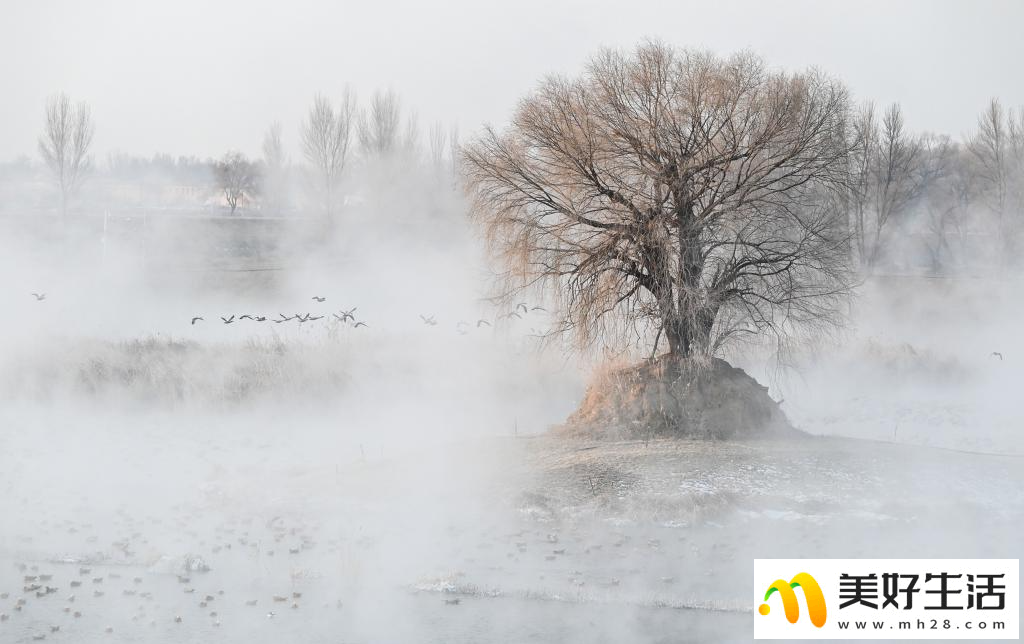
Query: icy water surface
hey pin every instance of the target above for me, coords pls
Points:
(461, 541)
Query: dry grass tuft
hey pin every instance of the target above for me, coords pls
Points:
(174, 373)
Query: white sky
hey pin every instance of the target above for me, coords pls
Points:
(200, 77)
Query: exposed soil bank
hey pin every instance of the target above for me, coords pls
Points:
(665, 399)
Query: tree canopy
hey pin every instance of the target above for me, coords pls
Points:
(673, 192)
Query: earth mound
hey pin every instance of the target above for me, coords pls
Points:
(665, 398)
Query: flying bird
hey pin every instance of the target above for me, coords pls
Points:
(228, 320)
(359, 324)
(245, 317)
(318, 298)
(538, 308)
(39, 296)
(348, 315)
(196, 319)
(996, 354)
(261, 318)
(428, 320)
(480, 323)
(513, 314)
(522, 306)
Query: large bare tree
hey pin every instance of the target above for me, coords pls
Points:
(326, 135)
(673, 192)
(65, 143)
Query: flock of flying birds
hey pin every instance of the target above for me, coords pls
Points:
(348, 317)
(301, 318)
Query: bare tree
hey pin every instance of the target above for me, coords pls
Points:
(437, 144)
(900, 175)
(275, 164)
(947, 203)
(890, 170)
(64, 145)
(326, 135)
(273, 149)
(379, 124)
(673, 192)
(443, 148)
(238, 178)
(454, 152)
(861, 182)
(990, 147)
(998, 150)
(411, 137)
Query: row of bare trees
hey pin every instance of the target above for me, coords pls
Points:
(898, 182)
(385, 135)
(945, 190)
(382, 133)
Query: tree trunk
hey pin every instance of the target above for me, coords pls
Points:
(676, 336)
